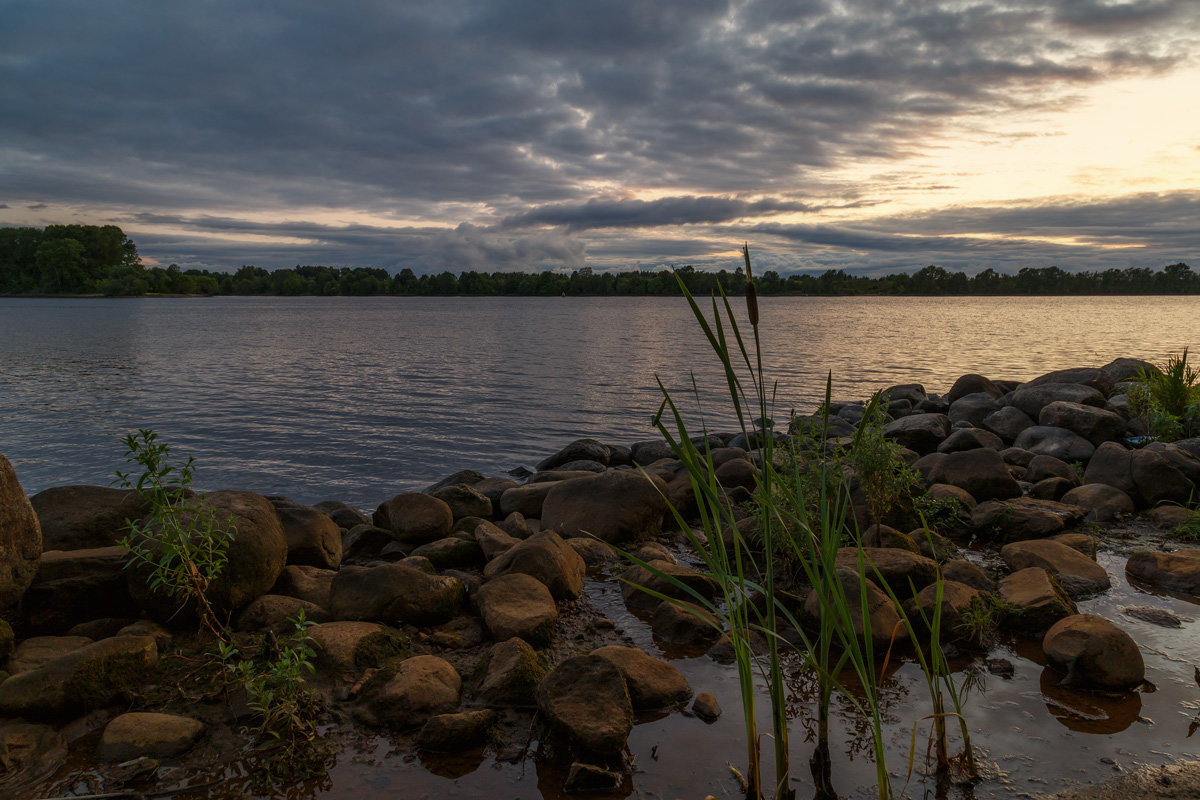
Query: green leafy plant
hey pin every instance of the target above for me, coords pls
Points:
(939, 513)
(181, 543)
(271, 673)
(1168, 399)
(887, 482)
(1188, 530)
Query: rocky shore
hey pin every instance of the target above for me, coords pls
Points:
(456, 616)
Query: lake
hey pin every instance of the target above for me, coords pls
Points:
(358, 398)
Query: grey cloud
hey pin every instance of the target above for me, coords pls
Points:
(600, 213)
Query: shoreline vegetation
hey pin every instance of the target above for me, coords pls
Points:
(89, 260)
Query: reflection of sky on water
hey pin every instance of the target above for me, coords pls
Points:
(356, 398)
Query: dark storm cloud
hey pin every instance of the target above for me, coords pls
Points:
(480, 111)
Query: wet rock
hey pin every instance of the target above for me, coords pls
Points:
(347, 648)
(1103, 503)
(1155, 616)
(459, 633)
(1092, 377)
(1024, 518)
(275, 613)
(526, 500)
(1047, 440)
(415, 517)
(493, 489)
(684, 623)
(957, 602)
(1094, 654)
(663, 578)
(511, 675)
(655, 551)
(1178, 571)
(149, 735)
(493, 540)
(920, 432)
(453, 733)
(706, 707)
(590, 778)
(546, 557)
(394, 592)
(313, 539)
(906, 573)
(617, 506)
(933, 545)
(464, 501)
(518, 605)
(75, 586)
(516, 525)
(1039, 598)
(29, 749)
(311, 584)
(1079, 575)
(422, 687)
(885, 624)
(1030, 398)
(452, 552)
(1078, 541)
(87, 678)
(981, 472)
(20, 538)
(1007, 423)
(85, 517)
(965, 572)
(1051, 489)
(586, 698)
(1097, 425)
(595, 553)
(652, 682)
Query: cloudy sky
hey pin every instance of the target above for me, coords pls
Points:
(873, 135)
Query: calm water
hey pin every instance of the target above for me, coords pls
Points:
(358, 398)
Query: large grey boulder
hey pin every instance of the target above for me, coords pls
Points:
(1177, 571)
(1048, 440)
(1031, 398)
(517, 605)
(1007, 423)
(1097, 425)
(578, 450)
(394, 593)
(973, 408)
(1092, 377)
(1149, 476)
(921, 433)
(980, 472)
(1094, 654)
(546, 557)
(415, 517)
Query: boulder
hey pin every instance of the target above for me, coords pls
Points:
(963, 571)
(912, 392)
(944, 491)
(313, 539)
(518, 605)
(919, 432)
(20, 538)
(415, 517)
(38, 651)
(148, 735)
(420, 688)
(1097, 425)
(77, 586)
(1042, 467)
(684, 623)
(617, 506)
(1076, 573)
(737, 472)
(957, 602)
(348, 648)
(464, 476)
(453, 552)
(663, 579)
(1007, 423)
(527, 499)
(1094, 654)
(1122, 369)
(511, 674)
(453, 733)
(595, 553)
(546, 557)
(394, 593)
(652, 682)
(981, 472)
(1148, 476)
(366, 542)
(311, 584)
(494, 488)
(586, 698)
(1046, 440)
(1039, 599)
(973, 384)
(342, 514)
(1104, 503)
(493, 540)
(1166, 517)
(970, 439)
(87, 678)
(972, 408)
(906, 573)
(885, 624)
(884, 536)
(1177, 571)
(84, 517)
(464, 501)
(1024, 518)
(1093, 377)
(1050, 489)
(276, 613)
(578, 450)
(1030, 398)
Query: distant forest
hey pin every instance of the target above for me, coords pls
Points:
(89, 259)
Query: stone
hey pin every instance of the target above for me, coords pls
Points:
(366, 542)
(595, 554)
(920, 432)
(884, 536)
(1104, 503)
(586, 698)
(1123, 369)
(652, 682)
(972, 384)
(1039, 598)
(1024, 518)
(1061, 443)
(493, 540)
(737, 472)
(518, 605)
(421, 687)
(311, 584)
(706, 707)
(1094, 654)
(394, 593)
(885, 624)
(584, 778)
(1042, 467)
(85, 517)
(1092, 377)
(276, 613)
(453, 733)
(982, 473)
(313, 539)
(8, 641)
(1051, 489)
(83, 679)
(663, 579)
(457, 552)
(1007, 423)
(347, 648)
(494, 488)
(972, 408)
(1079, 575)
(963, 571)
(76, 586)
(617, 506)
(1177, 571)
(468, 477)
(150, 735)
(684, 623)
(970, 439)
(459, 633)
(20, 538)
(943, 491)
(906, 573)
(342, 514)
(546, 557)
(1078, 541)
(511, 674)
(516, 525)
(1168, 516)
(38, 651)
(578, 450)
(1149, 476)
(527, 499)
(464, 501)
(957, 602)
(1097, 425)
(1030, 398)
(415, 517)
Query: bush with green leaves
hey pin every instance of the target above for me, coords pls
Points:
(181, 544)
(1168, 399)
(886, 481)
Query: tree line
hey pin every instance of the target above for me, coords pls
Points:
(88, 259)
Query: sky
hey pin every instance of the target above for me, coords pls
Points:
(869, 135)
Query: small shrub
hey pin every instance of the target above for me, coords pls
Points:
(939, 513)
(886, 481)
(1169, 399)
(1188, 530)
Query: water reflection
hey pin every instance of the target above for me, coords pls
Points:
(1088, 712)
